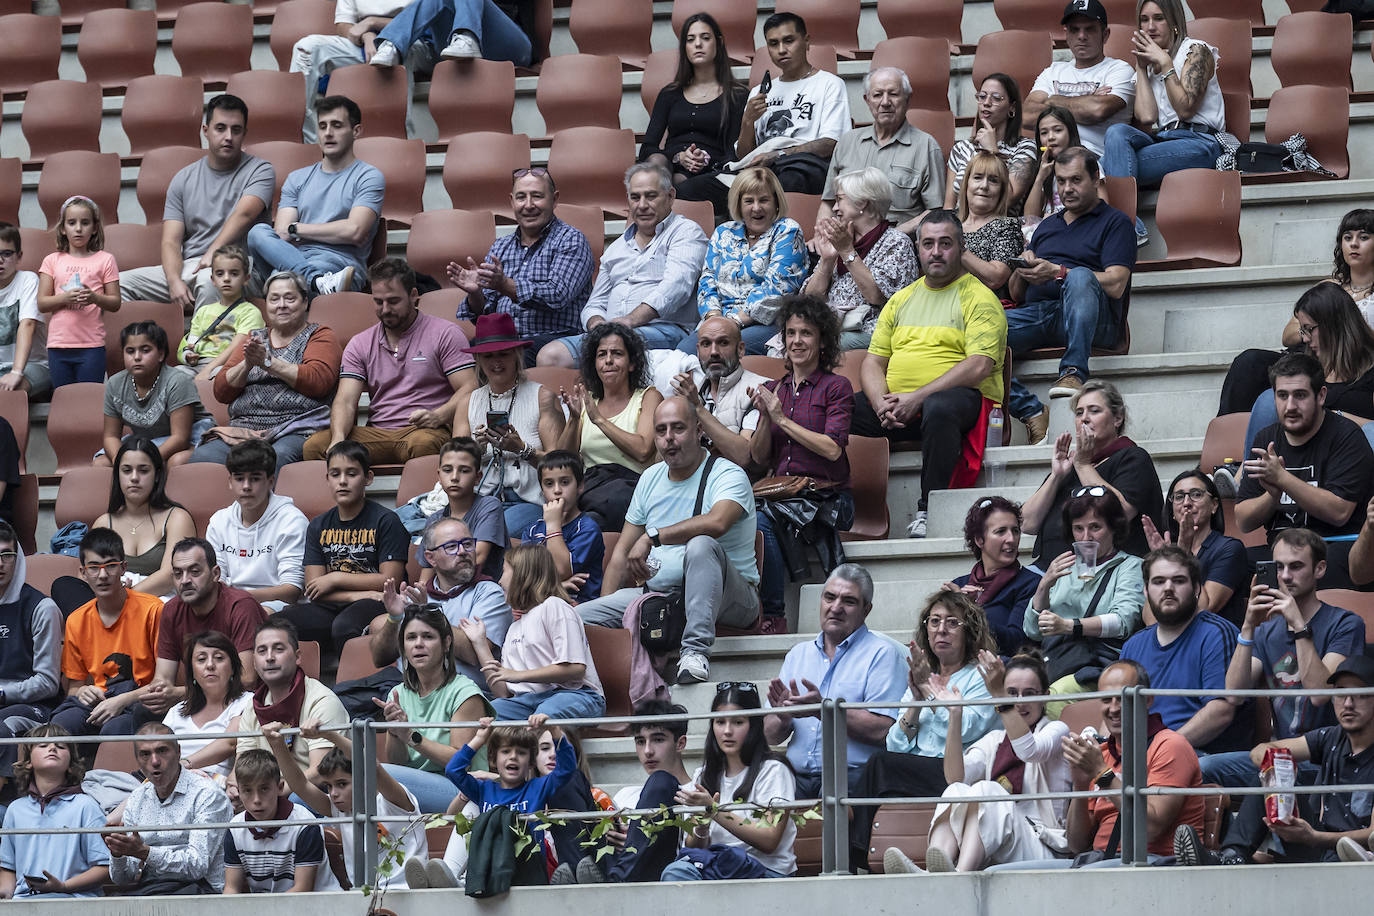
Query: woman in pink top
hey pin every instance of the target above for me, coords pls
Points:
(76, 283)
(546, 665)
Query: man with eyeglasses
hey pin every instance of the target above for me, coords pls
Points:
(906, 154)
(540, 275)
(648, 276)
(30, 651)
(110, 652)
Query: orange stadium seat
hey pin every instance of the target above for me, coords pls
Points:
(355, 659)
(167, 315)
(1319, 113)
(381, 92)
(612, 27)
(931, 18)
(1232, 39)
(117, 45)
(213, 41)
(472, 95)
(907, 827)
(135, 245)
(1020, 54)
(305, 482)
(443, 303)
(478, 168)
(772, 367)
(202, 489)
(579, 90)
(589, 166)
(402, 164)
(939, 123)
(206, 388)
(1198, 214)
(346, 313)
(274, 102)
(1120, 192)
(1313, 49)
(11, 189)
(1225, 438)
(94, 175)
(1251, 11)
(832, 22)
(698, 211)
(590, 221)
(286, 157)
(440, 236)
(660, 69)
(75, 424)
(737, 23)
(925, 63)
(1032, 15)
(161, 111)
(38, 244)
(41, 569)
(610, 650)
(35, 47)
(61, 115)
(156, 172)
(418, 476)
(292, 21)
(804, 208)
(868, 467)
(84, 492)
(26, 512)
(1237, 114)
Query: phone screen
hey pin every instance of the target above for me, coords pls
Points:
(497, 419)
(765, 84)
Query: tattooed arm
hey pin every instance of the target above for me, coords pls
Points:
(1187, 88)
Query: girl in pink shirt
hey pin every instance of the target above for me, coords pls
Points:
(75, 284)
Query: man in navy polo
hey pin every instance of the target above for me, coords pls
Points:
(1071, 291)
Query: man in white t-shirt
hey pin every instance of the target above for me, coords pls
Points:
(1098, 90)
(707, 554)
(803, 103)
(23, 329)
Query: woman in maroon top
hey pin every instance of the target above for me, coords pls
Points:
(803, 430)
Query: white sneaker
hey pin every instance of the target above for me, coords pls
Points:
(692, 668)
(386, 55)
(416, 878)
(339, 281)
(917, 528)
(937, 861)
(896, 862)
(1347, 850)
(439, 874)
(462, 45)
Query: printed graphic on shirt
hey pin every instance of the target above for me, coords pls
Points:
(785, 120)
(1072, 90)
(1290, 514)
(350, 550)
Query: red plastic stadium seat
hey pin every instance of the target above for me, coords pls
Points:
(26, 512)
(579, 90)
(38, 243)
(117, 45)
(167, 315)
(1237, 114)
(292, 21)
(443, 303)
(158, 169)
(418, 476)
(41, 569)
(612, 27)
(1198, 214)
(93, 175)
(1251, 11)
(832, 22)
(868, 465)
(1319, 113)
(472, 95)
(803, 208)
(1225, 438)
(308, 486)
(440, 236)
(698, 211)
(1120, 192)
(381, 93)
(402, 164)
(163, 111)
(589, 164)
(274, 99)
(660, 69)
(135, 245)
(213, 41)
(202, 489)
(610, 650)
(478, 167)
(355, 660)
(906, 827)
(1232, 39)
(346, 313)
(737, 21)
(925, 62)
(590, 221)
(939, 123)
(931, 18)
(61, 115)
(1033, 15)
(286, 157)
(1020, 54)
(33, 47)
(206, 388)
(75, 424)
(1313, 49)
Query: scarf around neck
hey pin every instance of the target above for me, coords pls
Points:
(288, 711)
(284, 807)
(864, 244)
(994, 583)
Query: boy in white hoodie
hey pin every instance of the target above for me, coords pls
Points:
(260, 538)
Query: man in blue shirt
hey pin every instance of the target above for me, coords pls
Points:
(1079, 271)
(1187, 649)
(847, 661)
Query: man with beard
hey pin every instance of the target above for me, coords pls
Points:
(934, 366)
(719, 392)
(1188, 649)
(415, 370)
(690, 526)
(202, 602)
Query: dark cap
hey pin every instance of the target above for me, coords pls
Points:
(1093, 9)
(1360, 666)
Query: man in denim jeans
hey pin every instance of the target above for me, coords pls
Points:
(1078, 271)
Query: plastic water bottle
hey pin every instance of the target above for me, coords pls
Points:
(993, 466)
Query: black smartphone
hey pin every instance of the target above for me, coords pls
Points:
(1267, 573)
(35, 881)
(1018, 262)
(496, 419)
(765, 84)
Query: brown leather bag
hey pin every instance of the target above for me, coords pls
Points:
(790, 487)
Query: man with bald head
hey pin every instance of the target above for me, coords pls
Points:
(690, 528)
(718, 389)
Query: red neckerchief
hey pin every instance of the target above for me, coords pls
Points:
(55, 794)
(435, 592)
(284, 806)
(992, 584)
(1008, 770)
(288, 711)
(863, 245)
(1118, 444)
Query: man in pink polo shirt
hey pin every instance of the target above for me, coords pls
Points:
(413, 368)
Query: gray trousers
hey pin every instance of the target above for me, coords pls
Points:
(317, 56)
(714, 591)
(149, 284)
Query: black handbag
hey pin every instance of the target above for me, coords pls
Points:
(663, 615)
(1066, 655)
(1261, 157)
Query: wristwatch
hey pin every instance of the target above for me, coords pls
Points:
(1105, 779)
(291, 231)
(1304, 633)
(652, 532)
(1078, 629)
(852, 256)
(416, 739)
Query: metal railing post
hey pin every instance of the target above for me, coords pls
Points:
(1135, 710)
(369, 780)
(834, 824)
(359, 876)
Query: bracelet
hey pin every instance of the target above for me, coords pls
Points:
(550, 535)
(700, 832)
(1242, 641)
(1168, 73)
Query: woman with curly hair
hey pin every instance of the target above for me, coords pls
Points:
(611, 420)
(803, 429)
(943, 665)
(998, 582)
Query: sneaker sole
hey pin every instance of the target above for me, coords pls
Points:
(459, 55)
(1186, 847)
(416, 876)
(438, 874)
(588, 872)
(895, 862)
(937, 862)
(1058, 392)
(1347, 850)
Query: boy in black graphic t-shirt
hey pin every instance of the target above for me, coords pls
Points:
(350, 551)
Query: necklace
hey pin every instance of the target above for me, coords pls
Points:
(133, 529)
(1357, 292)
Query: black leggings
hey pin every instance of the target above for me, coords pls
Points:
(946, 417)
(332, 625)
(1246, 380)
(890, 775)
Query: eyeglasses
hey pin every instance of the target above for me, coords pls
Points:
(1194, 495)
(737, 686)
(95, 569)
(1306, 330)
(8, 556)
(935, 624)
(1089, 491)
(7, 253)
(453, 548)
(536, 171)
(993, 97)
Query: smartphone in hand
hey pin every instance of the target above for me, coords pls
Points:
(1267, 574)
(765, 84)
(1020, 263)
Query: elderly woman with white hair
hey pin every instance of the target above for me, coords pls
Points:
(864, 259)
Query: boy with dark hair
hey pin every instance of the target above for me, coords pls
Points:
(350, 552)
(460, 468)
(261, 536)
(576, 543)
(109, 655)
(273, 860)
(23, 329)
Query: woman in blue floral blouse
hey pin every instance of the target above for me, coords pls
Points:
(753, 259)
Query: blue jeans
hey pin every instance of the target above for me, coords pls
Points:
(756, 338)
(432, 791)
(771, 580)
(272, 253)
(685, 871)
(1132, 152)
(556, 703)
(657, 335)
(1080, 317)
(289, 449)
(69, 365)
(497, 33)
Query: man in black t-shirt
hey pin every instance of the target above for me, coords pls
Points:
(1311, 470)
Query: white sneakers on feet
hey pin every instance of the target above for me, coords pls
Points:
(896, 862)
(414, 869)
(439, 874)
(917, 528)
(1347, 850)
(386, 55)
(463, 44)
(692, 668)
(337, 282)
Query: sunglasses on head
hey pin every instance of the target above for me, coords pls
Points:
(536, 171)
(1089, 491)
(740, 686)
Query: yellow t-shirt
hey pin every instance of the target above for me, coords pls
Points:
(924, 333)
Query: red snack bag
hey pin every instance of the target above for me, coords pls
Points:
(1277, 772)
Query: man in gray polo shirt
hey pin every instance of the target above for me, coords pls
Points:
(210, 203)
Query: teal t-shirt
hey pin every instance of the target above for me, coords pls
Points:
(438, 706)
